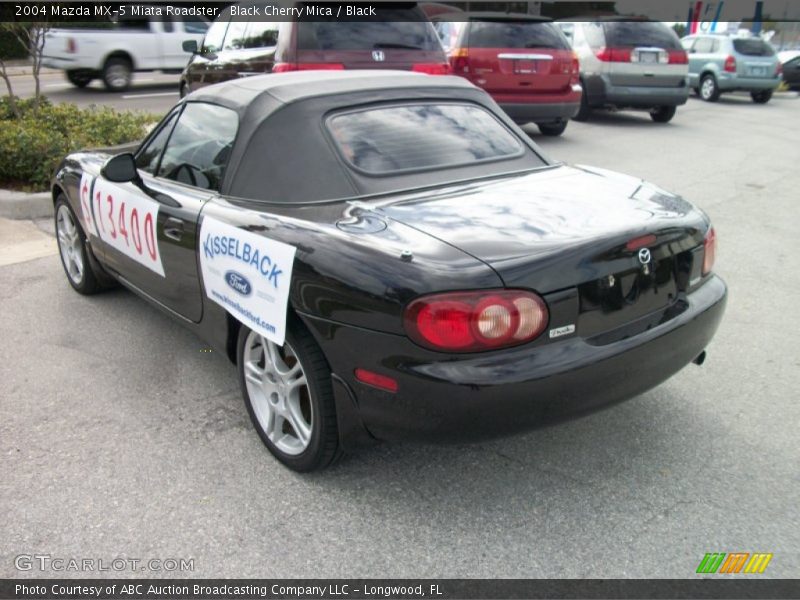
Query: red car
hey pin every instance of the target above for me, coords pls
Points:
(524, 62)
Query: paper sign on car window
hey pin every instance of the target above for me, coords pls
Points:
(248, 275)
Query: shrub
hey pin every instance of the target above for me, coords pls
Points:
(31, 147)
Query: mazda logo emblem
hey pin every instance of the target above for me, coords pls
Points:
(378, 56)
(644, 256)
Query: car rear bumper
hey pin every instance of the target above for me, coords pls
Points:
(601, 92)
(733, 83)
(541, 108)
(540, 113)
(450, 397)
(54, 62)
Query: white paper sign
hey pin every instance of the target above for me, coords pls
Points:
(127, 221)
(248, 275)
(85, 191)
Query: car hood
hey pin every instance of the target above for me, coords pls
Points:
(533, 229)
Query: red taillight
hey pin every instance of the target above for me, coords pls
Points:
(284, 67)
(72, 46)
(576, 70)
(459, 60)
(730, 64)
(474, 321)
(709, 251)
(614, 54)
(678, 57)
(376, 380)
(432, 68)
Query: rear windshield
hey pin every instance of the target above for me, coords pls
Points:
(418, 137)
(391, 28)
(753, 47)
(515, 34)
(630, 34)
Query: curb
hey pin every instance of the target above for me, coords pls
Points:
(21, 205)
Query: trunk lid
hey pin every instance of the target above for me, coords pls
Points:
(400, 40)
(577, 229)
(518, 56)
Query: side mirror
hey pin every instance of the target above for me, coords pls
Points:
(120, 168)
(190, 46)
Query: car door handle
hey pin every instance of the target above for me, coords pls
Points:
(173, 229)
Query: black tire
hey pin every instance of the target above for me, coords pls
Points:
(80, 78)
(552, 129)
(323, 443)
(663, 114)
(709, 90)
(584, 111)
(117, 74)
(761, 96)
(88, 282)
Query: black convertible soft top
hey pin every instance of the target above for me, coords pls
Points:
(283, 152)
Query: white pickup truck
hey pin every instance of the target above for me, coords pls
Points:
(115, 53)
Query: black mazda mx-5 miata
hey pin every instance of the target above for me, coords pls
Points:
(386, 255)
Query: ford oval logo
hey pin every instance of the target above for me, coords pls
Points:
(238, 283)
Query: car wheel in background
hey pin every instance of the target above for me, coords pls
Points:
(72, 249)
(80, 78)
(552, 129)
(117, 74)
(289, 396)
(761, 96)
(584, 110)
(709, 90)
(663, 114)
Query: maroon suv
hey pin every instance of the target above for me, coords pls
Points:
(398, 37)
(524, 62)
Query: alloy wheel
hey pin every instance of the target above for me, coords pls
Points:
(69, 244)
(279, 393)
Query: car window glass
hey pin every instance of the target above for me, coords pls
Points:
(687, 43)
(515, 34)
(260, 34)
(421, 136)
(632, 34)
(234, 39)
(593, 32)
(392, 28)
(140, 25)
(214, 38)
(194, 25)
(200, 145)
(147, 157)
(752, 47)
(703, 45)
(448, 32)
(167, 25)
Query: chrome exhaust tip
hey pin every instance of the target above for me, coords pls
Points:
(700, 358)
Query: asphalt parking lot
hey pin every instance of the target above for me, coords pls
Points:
(122, 436)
